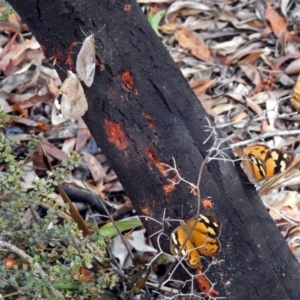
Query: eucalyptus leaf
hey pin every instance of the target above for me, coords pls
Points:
(110, 230)
(154, 20)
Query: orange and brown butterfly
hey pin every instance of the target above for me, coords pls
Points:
(203, 239)
(260, 162)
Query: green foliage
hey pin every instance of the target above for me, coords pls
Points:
(48, 253)
(154, 20)
(5, 14)
(110, 229)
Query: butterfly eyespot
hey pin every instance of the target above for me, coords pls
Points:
(287, 158)
(203, 239)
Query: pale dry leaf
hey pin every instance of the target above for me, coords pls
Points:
(229, 46)
(289, 200)
(293, 67)
(29, 175)
(229, 17)
(136, 239)
(222, 108)
(272, 112)
(16, 82)
(283, 7)
(179, 5)
(244, 51)
(68, 145)
(292, 214)
(16, 51)
(119, 250)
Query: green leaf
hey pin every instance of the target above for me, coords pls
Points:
(74, 285)
(154, 20)
(110, 230)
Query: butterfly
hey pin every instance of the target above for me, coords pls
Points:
(86, 61)
(260, 162)
(203, 239)
(70, 103)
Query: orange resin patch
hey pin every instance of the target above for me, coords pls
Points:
(116, 134)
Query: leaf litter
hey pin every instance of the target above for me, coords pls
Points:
(242, 60)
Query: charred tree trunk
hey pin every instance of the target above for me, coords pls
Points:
(143, 113)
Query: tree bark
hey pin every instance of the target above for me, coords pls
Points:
(142, 113)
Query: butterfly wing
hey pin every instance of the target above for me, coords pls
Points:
(56, 115)
(259, 162)
(73, 103)
(86, 61)
(254, 161)
(278, 161)
(191, 255)
(258, 150)
(205, 234)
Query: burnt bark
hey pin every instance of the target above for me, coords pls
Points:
(143, 113)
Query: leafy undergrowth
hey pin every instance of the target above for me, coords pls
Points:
(242, 62)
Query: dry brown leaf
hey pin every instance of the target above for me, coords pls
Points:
(20, 98)
(83, 135)
(240, 53)
(8, 47)
(292, 214)
(96, 169)
(33, 56)
(252, 73)
(191, 41)
(201, 85)
(239, 117)
(27, 122)
(9, 26)
(169, 27)
(85, 275)
(277, 23)
(54, 151)
(252, 57)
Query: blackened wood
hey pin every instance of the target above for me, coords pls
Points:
(143, 113)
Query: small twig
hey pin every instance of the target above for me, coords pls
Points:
(178, 175)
